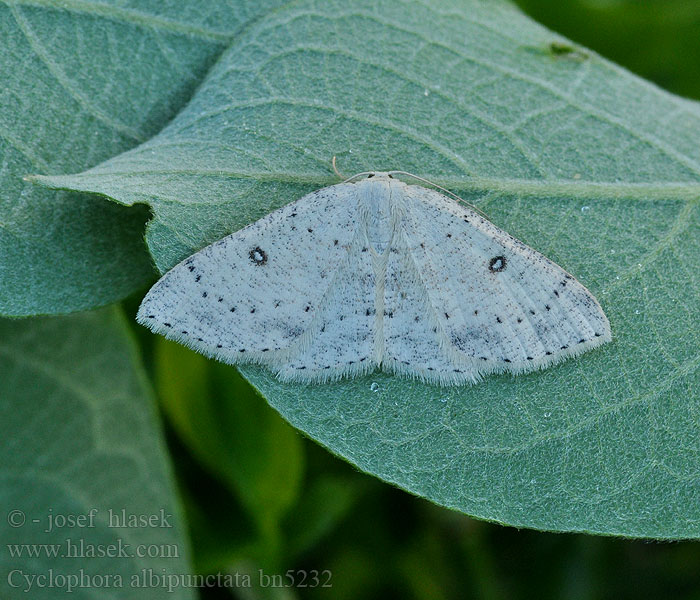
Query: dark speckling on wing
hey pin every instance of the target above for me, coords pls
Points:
(372, 274)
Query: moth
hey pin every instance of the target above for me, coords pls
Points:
(375, 273)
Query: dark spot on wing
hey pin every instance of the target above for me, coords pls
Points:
(204, 294)
(497, 264)
(548, 307)
(197, 278)
(498, 319)
(258, 256)
(252, 310)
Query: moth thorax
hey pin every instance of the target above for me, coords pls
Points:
(375, 198)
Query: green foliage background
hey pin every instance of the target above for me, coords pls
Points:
(256, 494)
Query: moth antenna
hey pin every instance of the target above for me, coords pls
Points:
(349, 179)
(455, 196)
(335, 169)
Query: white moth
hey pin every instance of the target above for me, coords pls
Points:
(376, 274)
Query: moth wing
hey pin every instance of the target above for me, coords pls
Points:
(255, 292)
(497, 304)
(340, 342)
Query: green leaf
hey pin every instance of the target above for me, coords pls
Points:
(590, 165)
(82, 82)
(235, 434)
(81, 440)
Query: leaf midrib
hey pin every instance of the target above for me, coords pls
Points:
(550, 188)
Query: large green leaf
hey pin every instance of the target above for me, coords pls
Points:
(592, 166)
(83, 81)
(81, 453)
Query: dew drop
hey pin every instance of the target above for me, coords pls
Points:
(374, 387)
(585, 209)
